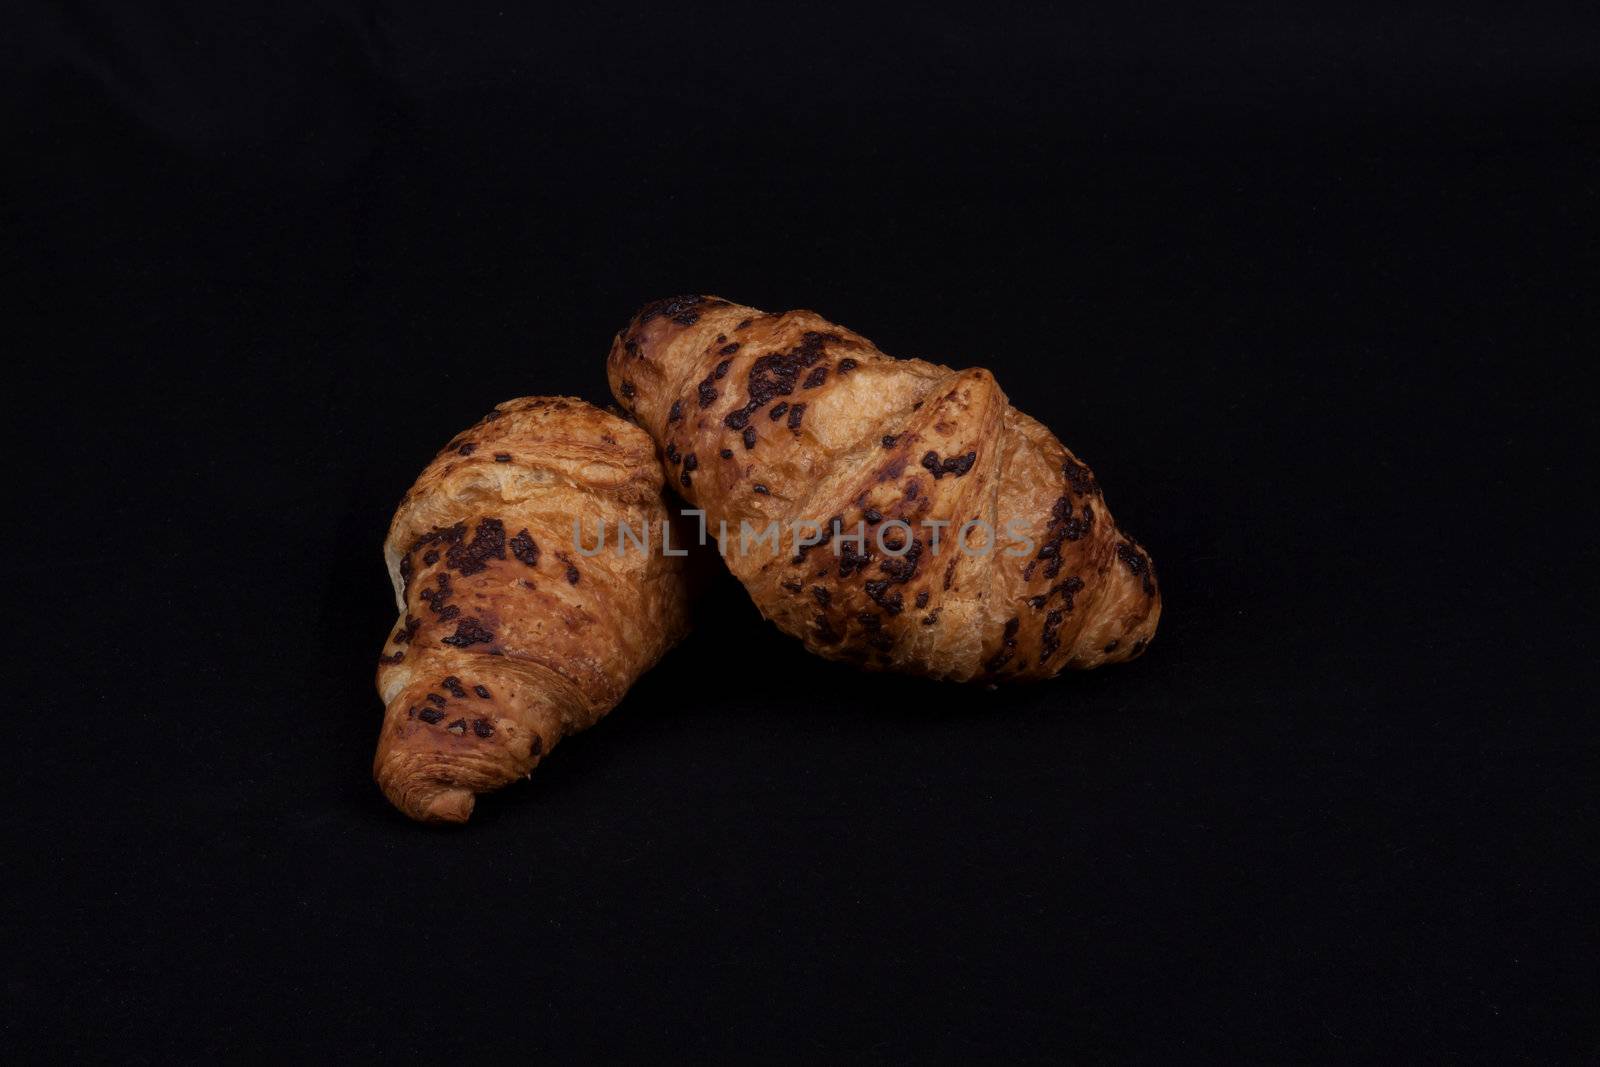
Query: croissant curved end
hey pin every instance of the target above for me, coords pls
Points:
(430, 800)
(453, 805)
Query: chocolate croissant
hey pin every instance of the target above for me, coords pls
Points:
(509, 637)
(924, 524)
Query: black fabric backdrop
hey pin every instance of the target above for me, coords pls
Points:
(1313, 293)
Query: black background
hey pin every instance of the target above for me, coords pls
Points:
(1313, 293)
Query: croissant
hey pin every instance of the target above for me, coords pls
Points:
(509, 639)
(871, 468)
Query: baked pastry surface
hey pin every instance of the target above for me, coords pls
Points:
(790, 418)
(509, 638)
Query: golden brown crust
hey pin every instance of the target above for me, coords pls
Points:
(509, 639)
(788, 417)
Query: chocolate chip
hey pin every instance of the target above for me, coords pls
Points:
(1008, 647)
(879, 592)
(1138, 564)
(404, 635)
(430, 715)
(1049, 640)
(683, 310)
(1079, 477)
(488, 542)
(482, 727)
(469, 632)
(959, 465)
(525, 548)
(776, 374)
(482, 691)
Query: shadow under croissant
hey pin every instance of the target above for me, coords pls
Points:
(759, 667)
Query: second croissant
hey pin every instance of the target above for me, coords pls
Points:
(923, 523)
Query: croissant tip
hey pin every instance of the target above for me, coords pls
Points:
(452, 805)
